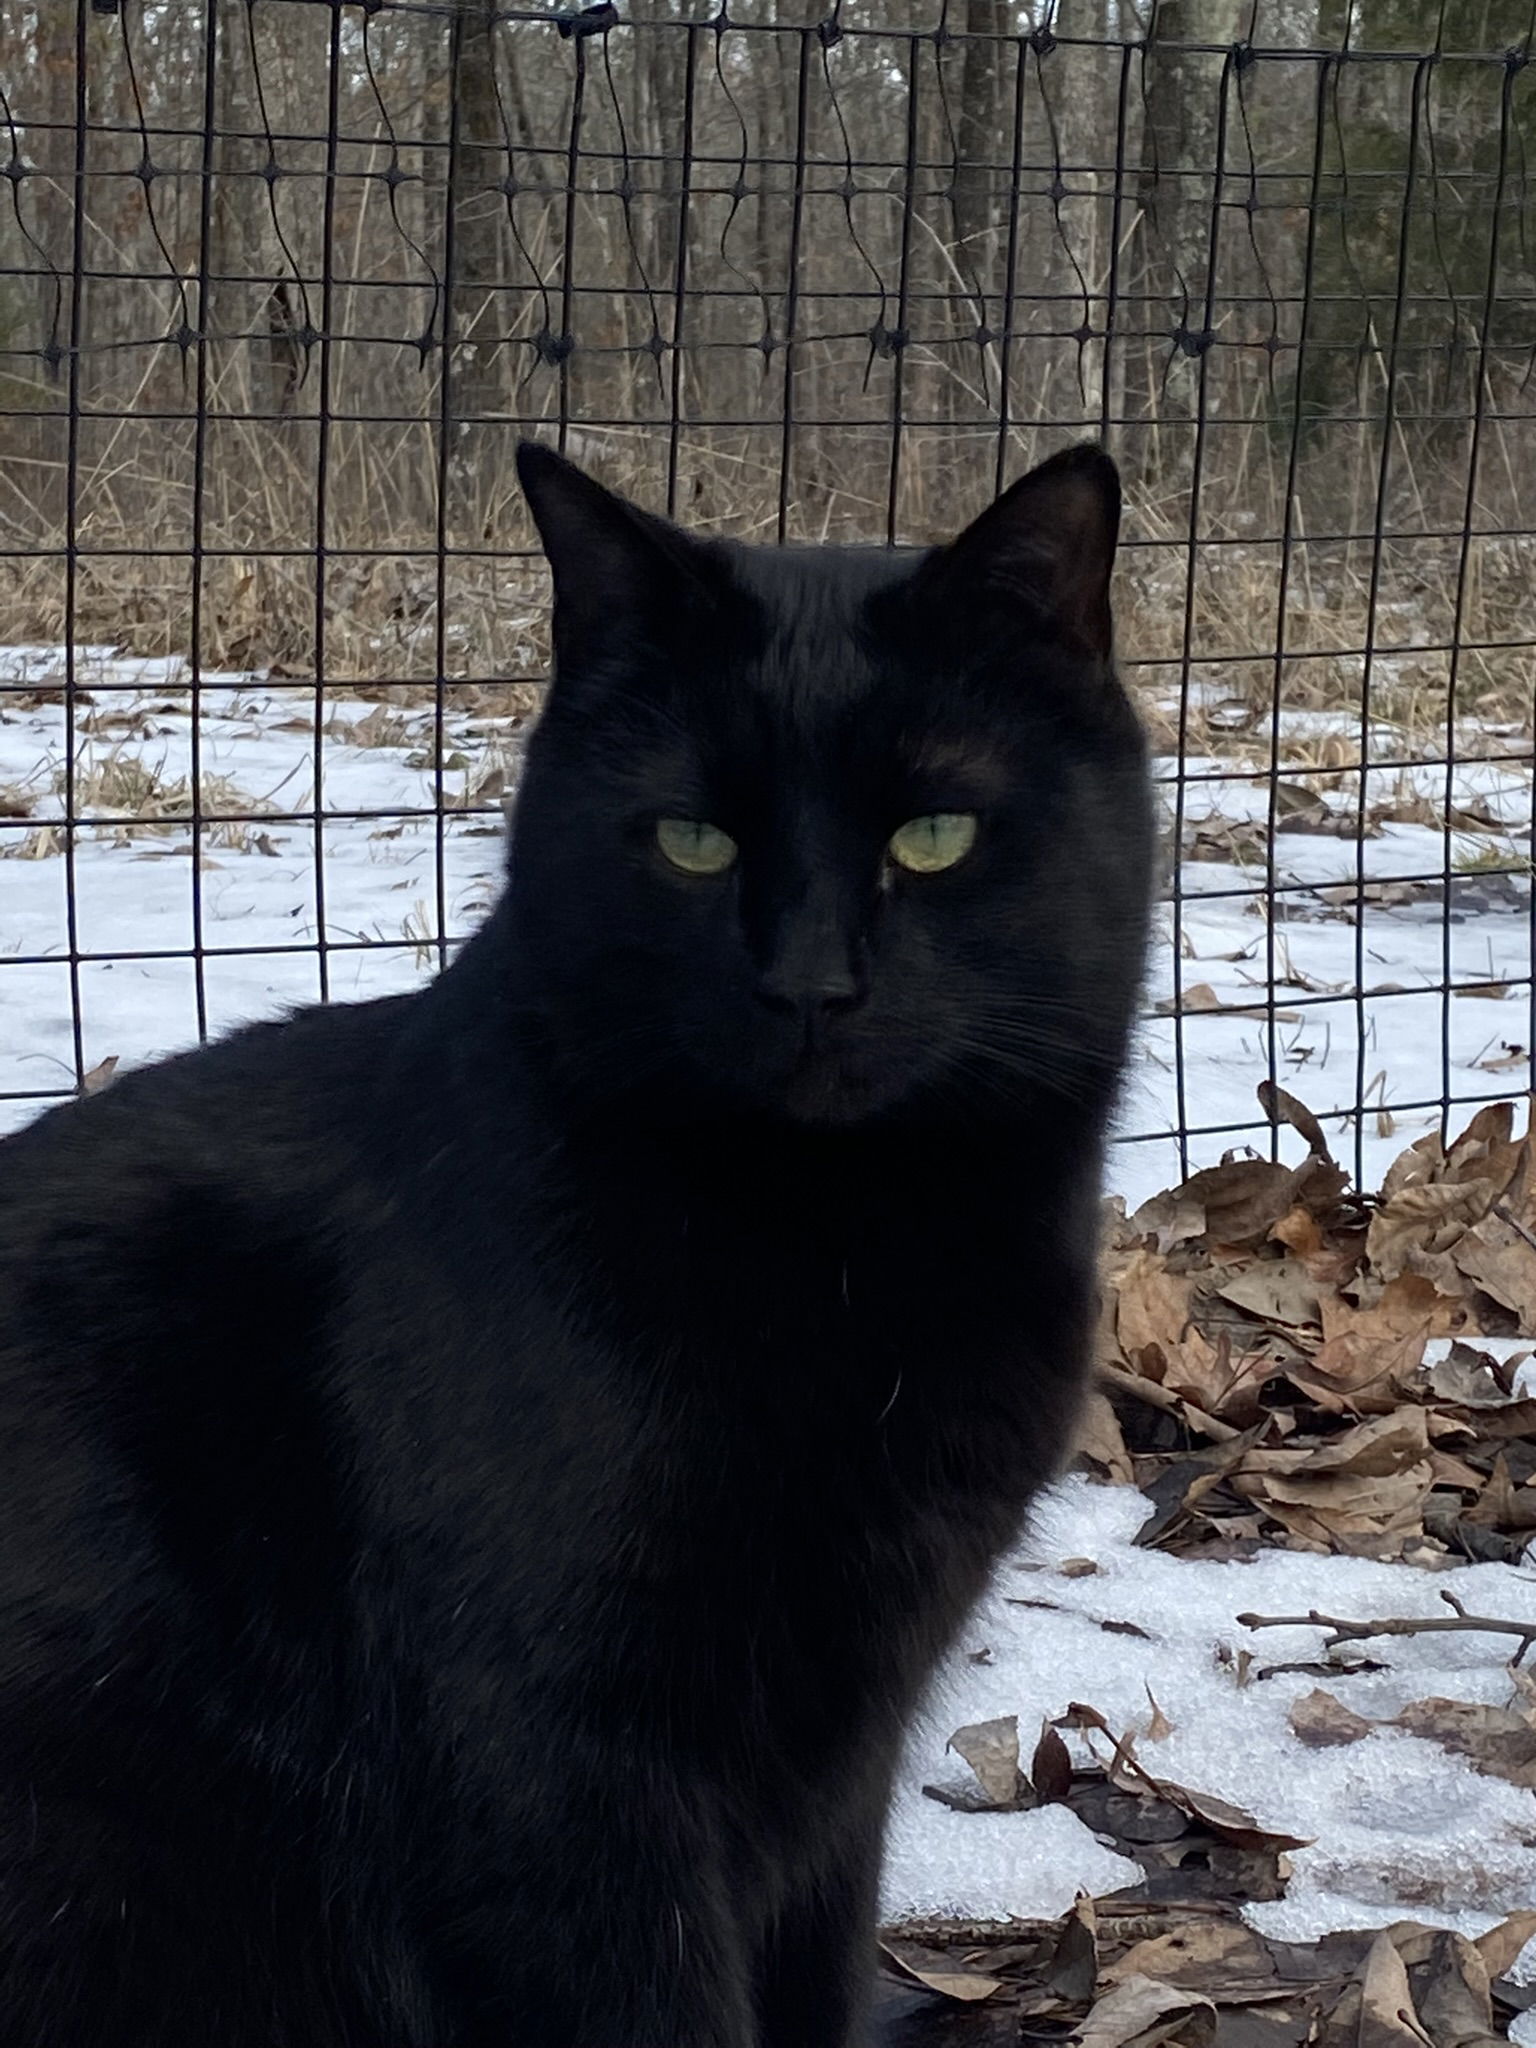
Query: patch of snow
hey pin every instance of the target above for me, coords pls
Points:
(377, 878)
(1399, 1827)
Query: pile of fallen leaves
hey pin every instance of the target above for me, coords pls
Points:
(1169, 1960)
(1263, 1351)
(1284, 1360)
(1113, 1975)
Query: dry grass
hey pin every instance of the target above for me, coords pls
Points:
(137, 800)
(1328, 620)
(391, 617)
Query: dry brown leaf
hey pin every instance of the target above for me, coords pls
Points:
(1367, 1486)
(1500, 1945)
(1299, 1231)
(1342, 1309)
(1466, 1376)
(1423, 1160)
(1139, 1388)
(1101, 1441)
(1217, 1957)
(1517, 1418)
(1386, 2002)
(1425, 1216)
(991, 1748)
(1281, 1107)
(1455, 2003)
(1370, 1357)
(1153, 1306)
(1140, 2012)
(1498, 1741)
(1499, 1257)
(938, 1973)
(1160, 1727)
(1073, 1969)
(1485, 1149)
(1502, 1504)
(1323, 1722)
(100, 1076)
(1244, 1199)
(1275, 1290)
(1376, 2009)
(1200, 999)
(1401, 1307)
(1230, 1823)
(1504, 1062)
(1050, 1768)
(1206, 1375)
(1170, 1218)
(1378, 1449)
(1454, 1472)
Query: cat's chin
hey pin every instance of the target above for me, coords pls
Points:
(829, 1095)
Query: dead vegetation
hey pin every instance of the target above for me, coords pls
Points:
(1264, 1351)
(1268, 1378)
(394, 619)
(1168, 1959)
(1132, 1972)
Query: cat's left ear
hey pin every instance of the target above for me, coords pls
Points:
(1048, 541)
(614, 566)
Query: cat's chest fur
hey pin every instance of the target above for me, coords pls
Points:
(753, 1446)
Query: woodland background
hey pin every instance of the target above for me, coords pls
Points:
(281, 275)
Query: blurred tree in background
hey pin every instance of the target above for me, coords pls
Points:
(807, 269)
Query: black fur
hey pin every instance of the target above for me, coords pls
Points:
(488, 1473)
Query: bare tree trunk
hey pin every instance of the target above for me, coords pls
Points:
(984, 138)
(477, 165)
(1082, 84)
(258, 360)
(1176, 190)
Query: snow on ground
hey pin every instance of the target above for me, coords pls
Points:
(1401, 1827)
(261, 886)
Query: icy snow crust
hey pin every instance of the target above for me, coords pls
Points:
(1402, 1829)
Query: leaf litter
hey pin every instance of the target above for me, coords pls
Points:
(1285, 1364)
(1286, 1360)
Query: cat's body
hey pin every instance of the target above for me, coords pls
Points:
(487, 1474)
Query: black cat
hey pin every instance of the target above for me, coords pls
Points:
(487, 1473)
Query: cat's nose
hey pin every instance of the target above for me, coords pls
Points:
(812, 997)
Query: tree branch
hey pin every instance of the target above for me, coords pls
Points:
(1400, 1625)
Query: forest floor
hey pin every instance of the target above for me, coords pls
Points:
(1280, 1800)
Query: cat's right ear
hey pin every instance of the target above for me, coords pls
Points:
(615, 568)
(1047, 545)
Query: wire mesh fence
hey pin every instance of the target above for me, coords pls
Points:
(283, 281)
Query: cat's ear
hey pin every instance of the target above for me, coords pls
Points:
(613, 565)
(1049, 543)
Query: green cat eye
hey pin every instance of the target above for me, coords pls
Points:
(693, 846)
(926, 846)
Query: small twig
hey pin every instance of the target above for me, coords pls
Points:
(1155, 1396)
(1502, 1212)
(1400, 1625)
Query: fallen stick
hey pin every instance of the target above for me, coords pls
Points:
(1155, 1396)
(1400, 1625)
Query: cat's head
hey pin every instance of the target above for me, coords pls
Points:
(834, 834)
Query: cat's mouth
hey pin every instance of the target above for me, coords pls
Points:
(829, 1088)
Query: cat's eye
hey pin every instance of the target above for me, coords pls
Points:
(695, 847)
(926, 846)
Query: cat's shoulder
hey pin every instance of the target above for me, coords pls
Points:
(230, 1136)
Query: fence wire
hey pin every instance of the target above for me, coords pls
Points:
(283, 281)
